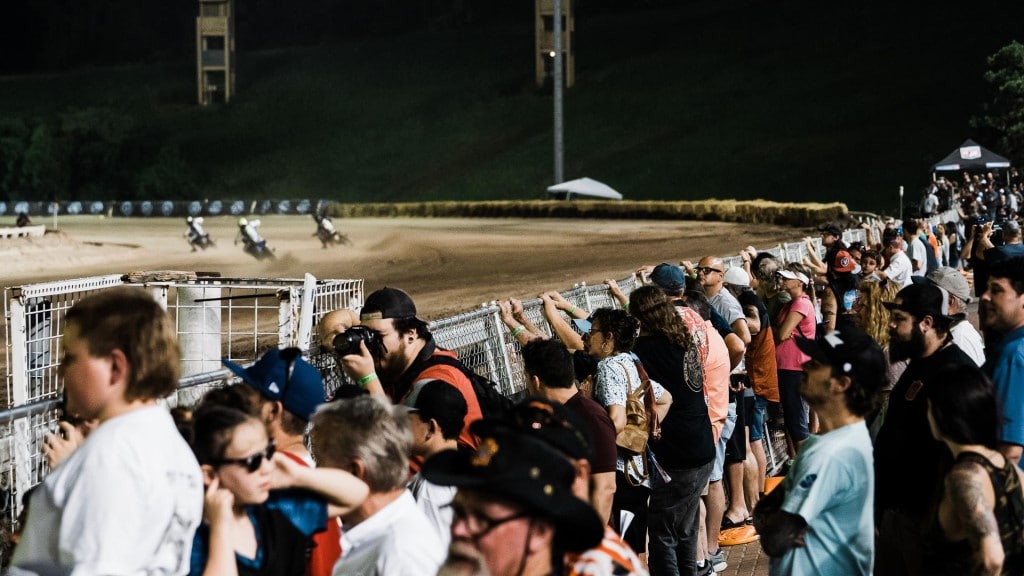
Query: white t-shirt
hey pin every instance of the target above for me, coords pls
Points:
(967, 338)
(915, 251)
(898, 271)
(396, 541)
(128, 501)
(831, 485)
(434, 500)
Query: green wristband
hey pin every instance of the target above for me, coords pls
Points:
(518, 331)
(571, 310)
(367, 379)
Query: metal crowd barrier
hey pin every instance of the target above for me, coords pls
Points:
(215, 317)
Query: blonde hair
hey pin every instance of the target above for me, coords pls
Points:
(872, 316)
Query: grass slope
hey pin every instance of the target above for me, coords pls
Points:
(786, 101)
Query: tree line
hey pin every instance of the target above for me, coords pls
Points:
(89, 154)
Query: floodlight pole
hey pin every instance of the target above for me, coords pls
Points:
(559, 84)
(901, 203)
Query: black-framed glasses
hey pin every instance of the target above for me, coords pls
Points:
(251, 463)
(479, 524)
(708, 270)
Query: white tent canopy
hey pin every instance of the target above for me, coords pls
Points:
(585, 188)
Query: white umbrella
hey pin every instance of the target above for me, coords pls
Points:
(585, 187)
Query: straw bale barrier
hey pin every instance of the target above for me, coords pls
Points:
(744, 211)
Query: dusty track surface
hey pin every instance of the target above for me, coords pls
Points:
(448, 265)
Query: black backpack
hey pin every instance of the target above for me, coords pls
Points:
(493, 404)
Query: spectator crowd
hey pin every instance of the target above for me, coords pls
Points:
(638, 446)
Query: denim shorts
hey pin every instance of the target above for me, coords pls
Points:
(727, 431)
(755, 417)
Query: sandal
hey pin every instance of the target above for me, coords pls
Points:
(727, 523)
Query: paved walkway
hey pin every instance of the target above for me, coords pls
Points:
(745, 560)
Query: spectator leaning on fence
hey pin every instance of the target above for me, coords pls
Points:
(129, 500)
(399, 360)
(611, 337)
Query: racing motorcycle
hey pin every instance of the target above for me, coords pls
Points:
(195, 234)
(252, 243)
(327, 233)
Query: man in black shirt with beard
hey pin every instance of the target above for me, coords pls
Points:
(909, 462)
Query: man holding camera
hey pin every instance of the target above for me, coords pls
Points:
(989, 243)
(389, 353)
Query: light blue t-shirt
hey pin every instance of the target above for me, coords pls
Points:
(1007, 377)
(831, 485)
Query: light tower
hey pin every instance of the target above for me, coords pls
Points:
(215, 51)
(545, 44)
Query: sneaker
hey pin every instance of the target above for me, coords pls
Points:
(705, 569)
(717, 560)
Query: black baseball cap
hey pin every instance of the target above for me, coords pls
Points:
(387, 303)
(920, 300)
(831, 228)
(848, 350)
(439, 400)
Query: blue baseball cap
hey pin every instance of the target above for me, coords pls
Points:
(668, 277)
(283, 375)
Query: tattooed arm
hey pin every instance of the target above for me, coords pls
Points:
(969, 491)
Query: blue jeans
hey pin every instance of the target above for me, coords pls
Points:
(673, 521)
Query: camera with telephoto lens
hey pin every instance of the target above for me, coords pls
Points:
(348, 341)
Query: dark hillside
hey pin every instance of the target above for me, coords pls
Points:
(784, 100)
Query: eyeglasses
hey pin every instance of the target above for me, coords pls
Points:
(251, 463)
(705, 270)
(479, 524)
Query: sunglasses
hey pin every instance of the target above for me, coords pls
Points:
(708, 270)
(251, 463)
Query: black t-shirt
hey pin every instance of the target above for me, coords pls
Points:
(686, 440)
(909, 462)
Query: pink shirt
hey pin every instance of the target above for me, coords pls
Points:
(716, 380)
(787, 355)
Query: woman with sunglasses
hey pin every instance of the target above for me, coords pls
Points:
(610, 339)
(796, 319)
(251, 525)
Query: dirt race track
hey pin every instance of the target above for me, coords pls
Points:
(447, 265)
